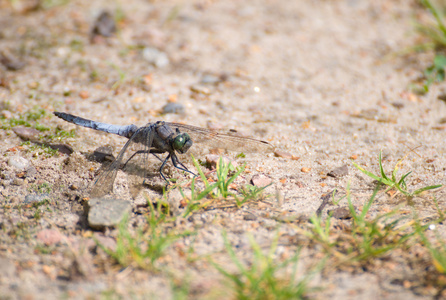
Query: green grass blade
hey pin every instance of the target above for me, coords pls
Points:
(426, 188)
(402, 181)
(369, 203)
(370, 174)
(200, 171)
(437, 15)
(236, 174)
(206, 191)
(381, 169)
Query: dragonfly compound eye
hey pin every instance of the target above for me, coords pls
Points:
(182, 142)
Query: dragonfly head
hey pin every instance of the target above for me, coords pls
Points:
(182, 142)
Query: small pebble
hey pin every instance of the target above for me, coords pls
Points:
(199, 89)
(11, 62)
(84, 94)
(103, 153)
(249, 217)
(342, 213)
(26, 133)
(107, 212)
(66, 220)
(286, 155)
(305, 170)
(173, 108)
(104, 25)
(339, 172)
(398, 105)
(62, 148)
(260, 180)
(19, 163)
(155, 57)
(210, 79)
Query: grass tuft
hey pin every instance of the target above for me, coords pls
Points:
(265, 278)
(144, 247)
(226, 175)
(365, 238)
(393, 182)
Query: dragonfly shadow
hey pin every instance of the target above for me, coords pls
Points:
(140, 176)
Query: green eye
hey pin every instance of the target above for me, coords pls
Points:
(182, 143)
(178, 142)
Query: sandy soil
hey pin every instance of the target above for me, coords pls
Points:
(319, 80)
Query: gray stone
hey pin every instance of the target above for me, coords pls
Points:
(249, 217)
(105, 25)
(18, 162)
(173, 108)
(285, 155)
(103, 153)
(155, 57)
(260, 180)
(342, 213)
(107, 212)
(26, 133)
(68, 220)
(63, 148)
(11, 62)
(339, 172)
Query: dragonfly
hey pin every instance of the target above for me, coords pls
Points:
(157, 138)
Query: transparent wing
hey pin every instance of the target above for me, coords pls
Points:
(214, 139)
(136, 166)
(134, 158)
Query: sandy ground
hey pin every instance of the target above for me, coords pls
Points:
(317, 79)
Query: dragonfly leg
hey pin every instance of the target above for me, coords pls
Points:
(142, 152)
(159, 158)
(176, 162)
(162, 167)
(133, 155)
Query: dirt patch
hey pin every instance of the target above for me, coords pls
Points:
(319, 80)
